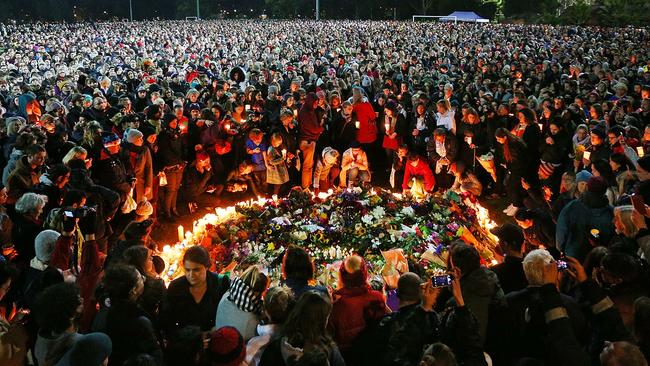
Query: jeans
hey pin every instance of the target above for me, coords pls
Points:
(169, 193)
(307, 149)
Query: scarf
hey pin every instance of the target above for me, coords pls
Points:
(242, 296)
(583, 142)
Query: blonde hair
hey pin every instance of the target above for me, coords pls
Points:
(255, 279)
(76, 152)
(90, 129)
(624, 215)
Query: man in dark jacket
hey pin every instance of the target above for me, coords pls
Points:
(511, 271)
(310, 131)
(586, 219)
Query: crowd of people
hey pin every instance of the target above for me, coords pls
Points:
(109, 130)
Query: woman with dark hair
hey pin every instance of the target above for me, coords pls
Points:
(127, 324)
(356, 305)
(422, 125)
(473, 142)
(140, 257)
(395, 129)
(305, 330)
(169, 159)
(601, 168)
(554, 149)
(193, 299)
(530, 132)
(298, 270)
(513, 153)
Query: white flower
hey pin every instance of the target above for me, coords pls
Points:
(378, 212)
(408, 211)
(367, 219)
(357, 190)
(299, 235)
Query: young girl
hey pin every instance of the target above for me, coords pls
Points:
(277, 173)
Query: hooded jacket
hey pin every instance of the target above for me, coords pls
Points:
(22, 179)
(310, 129)
(11, 164)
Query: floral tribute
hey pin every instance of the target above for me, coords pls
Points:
(373, 223)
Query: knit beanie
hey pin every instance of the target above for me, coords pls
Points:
(353, 272)
(597, 185)
(44, 244)
(144, 208)
(132, 134)
(227, 347)
(583, 176)
(88, 350)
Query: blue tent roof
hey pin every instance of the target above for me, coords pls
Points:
(468, 16)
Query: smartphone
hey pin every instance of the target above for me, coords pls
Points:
(68, 213)
(562, 265)
(441, 281)
(639, 203)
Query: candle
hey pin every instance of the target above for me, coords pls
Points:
(586, 155)
(357, 124)
(541, 127)
(284, 153)
(639, 150)
(387, 125)
(227, 126)
(295, 112)
(181, 233)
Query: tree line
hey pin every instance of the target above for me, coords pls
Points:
(581, 12)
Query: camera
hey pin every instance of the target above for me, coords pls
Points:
(79, 212)
(441, 281)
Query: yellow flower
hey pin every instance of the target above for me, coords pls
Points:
(270, 246)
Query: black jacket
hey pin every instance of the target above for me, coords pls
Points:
(511, 274)
(410, 329)
(179, 308)
(131, 332)
(170, 150)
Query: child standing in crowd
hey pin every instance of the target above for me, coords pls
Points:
(255, 148)
(277, 173)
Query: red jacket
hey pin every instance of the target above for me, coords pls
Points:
(367, 132)
(423, 170)
(352, 309)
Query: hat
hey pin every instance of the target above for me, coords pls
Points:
(509, 234)
(194, 107)
(353, 271)
(44, 244)
(597, 185)
(108, 137)
(54, 106)
(132, 134)
(144, 208)
(600, 132)
(330, 155)
(408, 287)
(355, 144)
(88, 350)
(227, 347)
(583, 176)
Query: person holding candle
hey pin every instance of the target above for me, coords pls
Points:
(327, 170)
(170, 160)
(395, 129)
(355, 168)
(277, 173)
(289, 134)
(255, 148)
(343, 127)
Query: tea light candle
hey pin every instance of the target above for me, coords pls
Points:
(357, 124)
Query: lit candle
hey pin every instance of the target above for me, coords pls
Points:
(227, 126)
(541, 127)
(639, 150)
(284, 153)
(357, 124)
(387, 125)
(181, 233)
(295, 112)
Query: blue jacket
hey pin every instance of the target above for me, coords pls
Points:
(576, 221)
